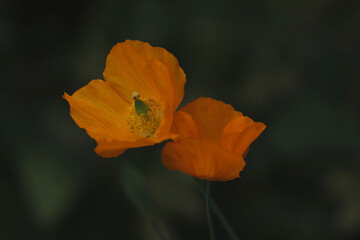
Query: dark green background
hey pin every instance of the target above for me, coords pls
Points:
(294, 65)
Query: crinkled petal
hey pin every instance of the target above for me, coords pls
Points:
(100, 111)
(202, 158)
(127, 69)
(184, 125)
(103, 114)
(176, 74)
(211, 116)
(113, 148)
(240, 133)
(157, 73)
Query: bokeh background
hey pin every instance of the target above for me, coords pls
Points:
(294, 65)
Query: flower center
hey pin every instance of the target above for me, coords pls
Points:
(144, 116)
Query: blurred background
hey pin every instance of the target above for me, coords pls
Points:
(294, 65)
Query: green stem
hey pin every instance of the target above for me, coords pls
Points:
(217, 211)
(159, 231)
(209, 213)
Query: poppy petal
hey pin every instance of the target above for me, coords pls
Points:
(108, 151)
(176, 74)
(184, 125)
(211, 116)
(240, 133)
(158, 74)
(100, 111)
(112, 148)
(126, 71)
(103, 114)
(202, 158)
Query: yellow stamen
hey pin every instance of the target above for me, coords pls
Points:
(145, 124)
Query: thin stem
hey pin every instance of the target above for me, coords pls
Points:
(217, 211)
(159, 231)
(209, 213)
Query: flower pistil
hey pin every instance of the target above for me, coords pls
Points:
(144, 116)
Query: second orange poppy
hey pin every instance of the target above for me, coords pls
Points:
(213, 140)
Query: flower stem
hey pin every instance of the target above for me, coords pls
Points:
(217, 211)
(209, 212)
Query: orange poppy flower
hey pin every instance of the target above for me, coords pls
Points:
(135, 104)
(213, 140)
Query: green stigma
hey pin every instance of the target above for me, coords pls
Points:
(141, 107)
